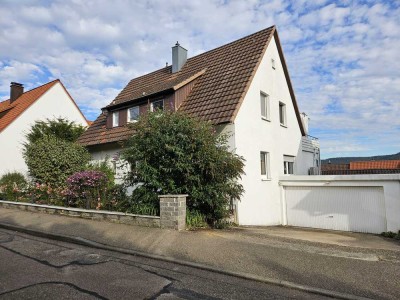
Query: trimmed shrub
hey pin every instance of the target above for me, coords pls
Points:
(12, 186)
(51, 160)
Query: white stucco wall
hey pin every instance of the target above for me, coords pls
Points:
(53, 104)
(260, 204)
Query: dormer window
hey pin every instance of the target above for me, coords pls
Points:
(133, 114)
(157, 105)
(115, 119)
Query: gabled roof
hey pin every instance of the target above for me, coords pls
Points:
(10, 111)
(218, 93)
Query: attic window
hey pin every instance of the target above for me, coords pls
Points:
(115, 119)
(133, 114)
(282, 114)
(273, 63)
(157, 105)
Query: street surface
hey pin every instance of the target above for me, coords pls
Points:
(38, 268)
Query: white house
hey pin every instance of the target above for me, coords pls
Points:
(242, 88)
(20, 112)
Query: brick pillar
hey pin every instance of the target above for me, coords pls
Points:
(173, 211)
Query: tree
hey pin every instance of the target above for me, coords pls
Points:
(51, 160)
(60, 128)
(172, 153)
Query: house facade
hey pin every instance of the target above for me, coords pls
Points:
(20, 112)
(244, 89)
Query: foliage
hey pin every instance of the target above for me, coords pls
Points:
(104, 167)
(60, 128)
(391, 235)
(194, 220)
(51, 160)
(140, 202)
(12, 186)
(172, 153)
(44, 194)
(86, 189)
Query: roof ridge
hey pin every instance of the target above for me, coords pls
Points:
(53, 81)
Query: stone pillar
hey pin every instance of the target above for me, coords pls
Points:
(173, 211)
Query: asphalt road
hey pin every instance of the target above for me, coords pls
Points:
(38, 268)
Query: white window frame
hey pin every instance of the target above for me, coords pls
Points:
(282, 106)
(267, 175)
(129, 114)
(152, 104)
(115, 119)
(265, 115)
(287, 161)
(273, 63)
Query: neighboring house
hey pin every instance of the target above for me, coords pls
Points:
(362, 167)
(244, 89)
(19, 113)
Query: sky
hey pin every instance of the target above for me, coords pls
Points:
(343, 56)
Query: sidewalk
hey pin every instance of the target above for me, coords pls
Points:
(359, 264)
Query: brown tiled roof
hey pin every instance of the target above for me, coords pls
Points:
(334, 167)
(10, 111)
(97, 133)
(217, 94)
(378, 164)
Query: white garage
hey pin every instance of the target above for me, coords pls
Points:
(360, 209)
(347, 203)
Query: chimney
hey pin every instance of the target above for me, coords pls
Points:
(179, 57)
(16, 90)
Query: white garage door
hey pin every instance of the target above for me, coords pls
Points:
(359, 209)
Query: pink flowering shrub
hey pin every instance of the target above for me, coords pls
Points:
(86, 189)
(45, 194)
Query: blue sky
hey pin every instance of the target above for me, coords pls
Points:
(343, 56)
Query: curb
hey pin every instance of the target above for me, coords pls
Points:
(92, 244)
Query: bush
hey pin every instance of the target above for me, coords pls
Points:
(86, 189)
(172, 153)
(391, 234)
(140, 202)
(51, 160)
(60, 128)
(12, 186)
(45, 194)
(104, 167)
(194, 220)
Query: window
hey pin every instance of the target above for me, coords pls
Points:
(133, 114)
(264, 100)
(115, 119)
(157, 105)
(282, 113)
(288, 164)
(264, 160)
(273, 63)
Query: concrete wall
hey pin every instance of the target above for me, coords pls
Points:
(260, 204)
(390, 184)
(53, 104)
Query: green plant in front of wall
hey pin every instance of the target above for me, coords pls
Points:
(51, 160)
(172, 153)
(391, 234)
(12, 186)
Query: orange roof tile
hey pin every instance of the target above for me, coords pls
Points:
(378, 164)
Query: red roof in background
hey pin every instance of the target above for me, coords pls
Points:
(10, 111)
(378, 164)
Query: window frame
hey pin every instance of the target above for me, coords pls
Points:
(115, 119)
(267, 116)
(266, 161)
(129, 114)
(288, 161)
(282, 114)
(273, 64)
(152, 104)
